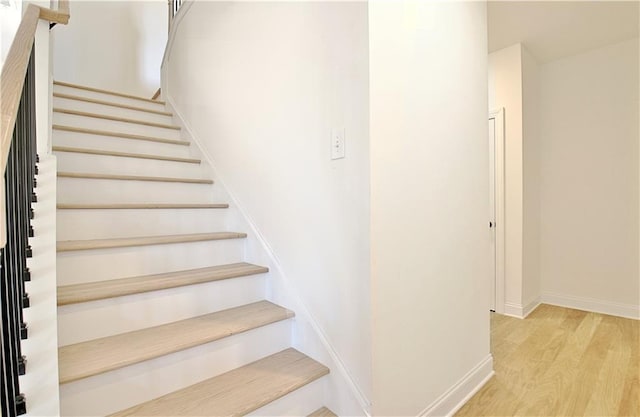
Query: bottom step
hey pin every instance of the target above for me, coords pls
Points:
(323, 412)
(237, 392)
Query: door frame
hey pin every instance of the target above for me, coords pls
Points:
(499, 227)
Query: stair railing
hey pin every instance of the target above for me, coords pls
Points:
(18, 161)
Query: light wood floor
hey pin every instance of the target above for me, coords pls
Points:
(561, 362)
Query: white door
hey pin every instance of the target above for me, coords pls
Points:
(492, 211)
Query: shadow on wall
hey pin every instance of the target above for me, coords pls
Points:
(115, 45)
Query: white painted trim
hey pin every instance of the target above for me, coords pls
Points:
(302, 312)
(40, 383)
(530, 308)
(629, 311)
(519, 311)
(456, 396)
(498, 115)
(513, 310)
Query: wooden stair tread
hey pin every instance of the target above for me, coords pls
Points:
(100, 90)
(119, 135)
(94, 357)
(323, 412)
(125, 206)
(91, 291)
(239, 391)
(114, 118)
(90, 176)
(108, 103)
(124, 154)
(74, 245)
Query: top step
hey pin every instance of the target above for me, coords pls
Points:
(61, 87)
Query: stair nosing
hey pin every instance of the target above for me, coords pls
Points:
(103, 91)
(100, 290)
(108, 103)
(101, 152)
(171, 345)
(94, 244)
(120, 135)
(139, 206)
(309, 376)
(114, 118)
(115, 177)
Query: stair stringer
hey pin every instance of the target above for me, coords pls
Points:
(40, 383)
(341, 393)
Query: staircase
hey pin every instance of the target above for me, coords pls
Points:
(158, 311)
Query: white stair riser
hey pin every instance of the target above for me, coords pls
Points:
(111, 143)
(111, 223)
(74, 190)
(300, 402)
(88, 107)
(80, 162)
(114, 126)
(107, 97)
(96, 265)
(113, 391)
(77, 322)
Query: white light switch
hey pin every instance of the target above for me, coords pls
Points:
(337, 143)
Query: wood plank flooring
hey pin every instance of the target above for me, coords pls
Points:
(114, 118)
(119, 135)
(237, 392)
(92, 176)
(126, 242)
(101, 152)
(561, 362)
(113, 93)
(109, 103)
(96, 356)
(91, 291)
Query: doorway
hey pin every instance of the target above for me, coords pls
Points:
(496, 208)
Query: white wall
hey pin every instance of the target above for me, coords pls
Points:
(505, 90)
(429, 187)
(115, 45)
(589, 179)
(530, 181)
(514, 86)
(10, 15)
(261, 86)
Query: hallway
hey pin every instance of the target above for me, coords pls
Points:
(561, 362)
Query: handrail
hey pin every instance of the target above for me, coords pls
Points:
(12, 81)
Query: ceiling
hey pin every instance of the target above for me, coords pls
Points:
(555, 29)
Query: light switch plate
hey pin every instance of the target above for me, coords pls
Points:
(337, 143)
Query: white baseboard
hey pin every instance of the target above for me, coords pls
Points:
(590, 304)
(513, 310)
(519, 311)
(456, 396)
(529, 308)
